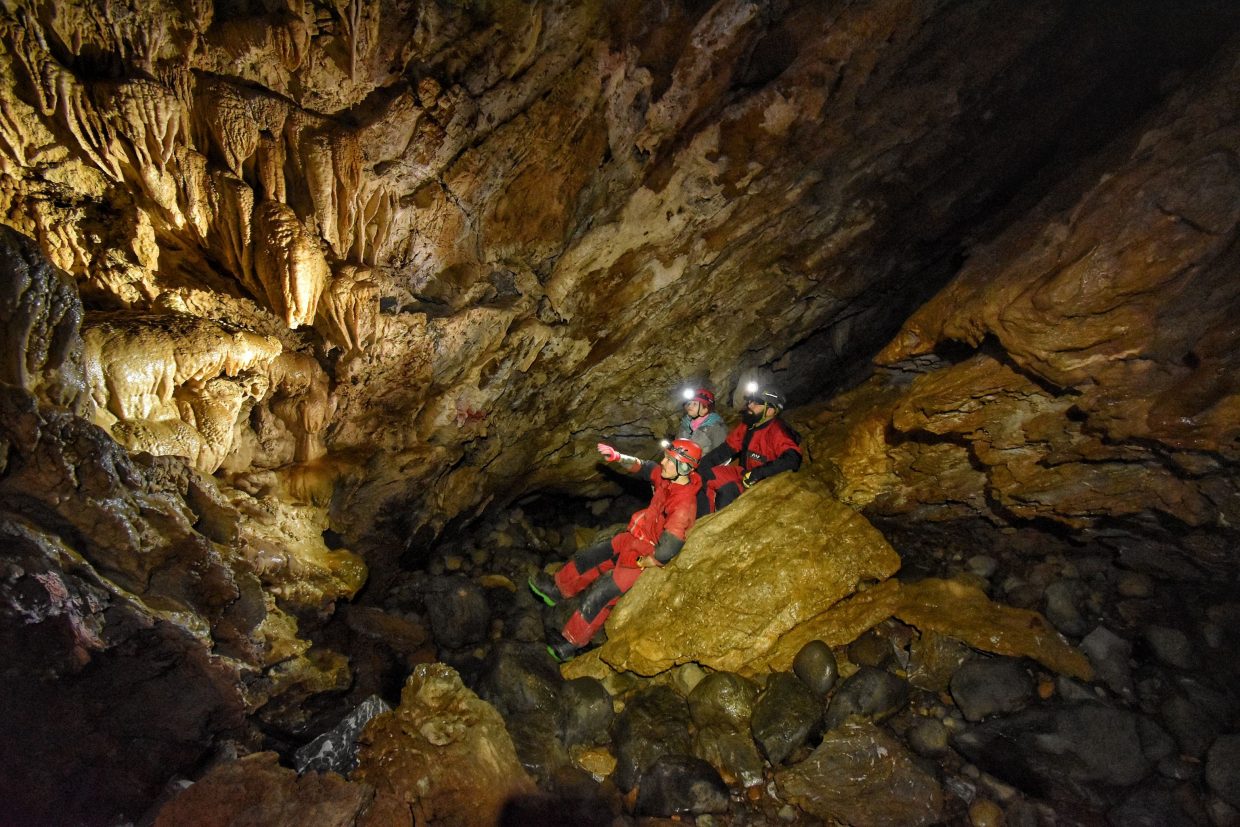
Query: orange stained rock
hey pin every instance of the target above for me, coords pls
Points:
(444, 751)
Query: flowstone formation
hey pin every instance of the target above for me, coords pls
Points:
(137, 600)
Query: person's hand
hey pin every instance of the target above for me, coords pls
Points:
(647, 562)
(609, 454)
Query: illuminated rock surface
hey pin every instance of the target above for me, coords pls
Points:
(444, 753)
(328, 281)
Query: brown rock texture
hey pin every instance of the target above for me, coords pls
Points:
(861, 775)
(274, 271)
(444, 753)
(749, 575)
(1097, 389)
(257, 790)
(475, 227)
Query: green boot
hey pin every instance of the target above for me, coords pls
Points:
(543, 585)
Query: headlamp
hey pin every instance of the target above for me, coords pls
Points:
(687, 394)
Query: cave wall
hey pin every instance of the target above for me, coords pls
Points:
(439, 249)
(364, 269)
(1078, 372)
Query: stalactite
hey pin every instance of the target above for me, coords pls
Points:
(289, 263)
(349, 310)
(301, 398)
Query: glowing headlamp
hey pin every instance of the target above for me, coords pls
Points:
(687, 394)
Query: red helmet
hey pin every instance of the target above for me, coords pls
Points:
(701, 395)
(686, 451)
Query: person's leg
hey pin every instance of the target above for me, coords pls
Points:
(594, 610)
(726, 495)
(578, 573)
(724, 477)
(705, 495)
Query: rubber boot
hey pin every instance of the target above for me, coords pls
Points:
(562, 649)
(543, 585)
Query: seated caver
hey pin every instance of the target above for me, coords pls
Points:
(761, 446)
(700, 422)
(654, 536)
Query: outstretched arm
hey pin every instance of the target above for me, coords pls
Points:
(627, 463)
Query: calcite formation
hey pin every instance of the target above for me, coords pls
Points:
(481, 221)
(377, 266)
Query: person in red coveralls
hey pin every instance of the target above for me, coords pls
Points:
(761, 446)
(655, 535)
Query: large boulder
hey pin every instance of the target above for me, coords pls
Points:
(775, 560)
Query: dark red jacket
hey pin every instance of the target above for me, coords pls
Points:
(673, 508)
(771, 448)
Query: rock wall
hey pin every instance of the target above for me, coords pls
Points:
(138, 604)
(1078, 371)
(473, 238)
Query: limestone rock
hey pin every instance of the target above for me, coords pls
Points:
(256, 788)
(444, 753)
(860, 775)
(335, 750)
(744, 580)
(41, 316)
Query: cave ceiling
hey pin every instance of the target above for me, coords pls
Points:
(408, 259)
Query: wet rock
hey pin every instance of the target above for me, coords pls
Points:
(597, 761)
(928, 737)
(654, 723)
(336, 749)
(982, 565)
(732, 753)
(1156, 743)
(991, 686)
(1110, 655)
(1178, 768)
(525, 626)
(934, 658)
(861, 776)
(1134, 584)
(1194, 716)
(723, 698)
(872, 649)
(1063, 606)
(458, 610)
(869, 694)
(443, 750)
(1147, 806)
(677, 784)
(684, 678)
(586, 712)
(255, 789)
(1170, 646)
(985, 813)
(785, 715)
(536, 739)
(1223, 769)
(1047, 751)
(520, 677)
(816, 666)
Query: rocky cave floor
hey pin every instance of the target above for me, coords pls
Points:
(996, 740)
